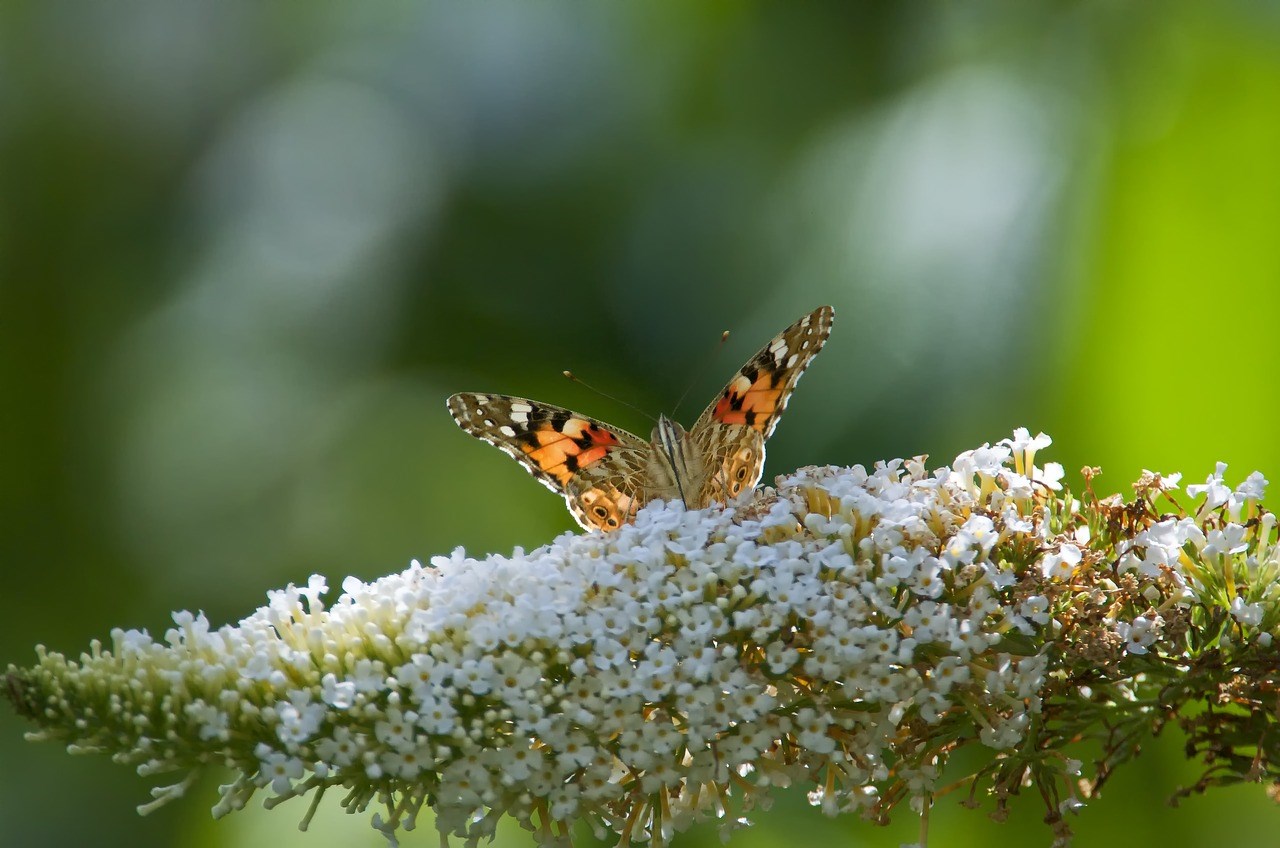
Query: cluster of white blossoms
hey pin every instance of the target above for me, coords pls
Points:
(673, 670)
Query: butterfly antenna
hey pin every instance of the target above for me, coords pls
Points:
(702, 366)
(574, 378)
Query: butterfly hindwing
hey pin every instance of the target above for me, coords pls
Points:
(731, 432)
(596, 467)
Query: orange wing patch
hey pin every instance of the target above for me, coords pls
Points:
(561, 448)
(751, 398)
(758, 393)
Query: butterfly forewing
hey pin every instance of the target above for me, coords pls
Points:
(596, 467)
(732, 430)
(758, 393)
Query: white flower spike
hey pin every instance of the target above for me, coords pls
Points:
(848, 632)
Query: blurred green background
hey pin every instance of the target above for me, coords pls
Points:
(246, 251)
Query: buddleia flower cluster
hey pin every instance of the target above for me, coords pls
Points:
(847, 632)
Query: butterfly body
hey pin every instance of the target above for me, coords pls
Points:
(606, 474)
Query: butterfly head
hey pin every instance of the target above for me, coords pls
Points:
(667, 433)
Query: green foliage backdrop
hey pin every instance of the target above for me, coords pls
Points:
(246, 251)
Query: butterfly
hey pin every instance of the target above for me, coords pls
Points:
(606, 474)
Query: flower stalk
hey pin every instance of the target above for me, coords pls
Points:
(848, 631)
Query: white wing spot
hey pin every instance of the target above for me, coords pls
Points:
(519, 417)
(507, 431)
(521, 407)
(792, 361)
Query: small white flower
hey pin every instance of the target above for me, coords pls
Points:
(340, 748)
(1051, 476)
(1253, 487)
(1215, 491)
(368, 676)
(1229, 540)
(1035, 608)
(1138, 634)
(1249, 615)
(299, 718)
(396, 729)
(981, 531)
(1024, 447)
(278, 769)
(339, 694)
(1061, 565)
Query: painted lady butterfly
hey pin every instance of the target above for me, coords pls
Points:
(605, 474)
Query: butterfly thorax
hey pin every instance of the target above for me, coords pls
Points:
(676, 468)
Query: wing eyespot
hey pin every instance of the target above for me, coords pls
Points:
(600, 512)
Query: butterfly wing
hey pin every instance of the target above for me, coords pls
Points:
(731, 432)
(598, 469)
